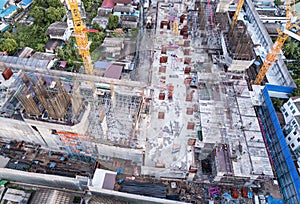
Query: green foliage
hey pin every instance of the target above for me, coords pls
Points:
(97, 27)
(277, 2)
(93, 14)
(38, 13)
(44, 13)
(90, 4)
(292, 52)
(97, 40)
(47, 12)
(8, 45)
(47, 3)
(32, 36)
(277, 103)
(55, 14)
(70, 53)
(291, 49)
(7, 34)
(113, 22)
(134, 32)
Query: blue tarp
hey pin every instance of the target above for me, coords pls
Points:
(272, 200)
(227, 196)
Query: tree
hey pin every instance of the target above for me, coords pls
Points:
(54, 14)
(97, 27)
(9, 45)
(97, 40)
(7, 34)
(277, 103)
(54, 3)
(277, 2)
(291, 49)
(42, 3)
(113, 22)
(40, 47)
(38, 13)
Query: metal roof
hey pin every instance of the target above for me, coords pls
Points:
(114, 71)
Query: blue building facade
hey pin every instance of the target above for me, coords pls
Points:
(282, 160)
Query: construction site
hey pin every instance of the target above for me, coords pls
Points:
(191, 121)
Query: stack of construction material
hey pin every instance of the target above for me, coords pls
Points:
(156, 190)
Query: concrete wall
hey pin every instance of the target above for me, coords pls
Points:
(11, 129)
(45, 129)
(40, 179)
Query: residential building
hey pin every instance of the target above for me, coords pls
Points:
(290, 109)
(291, 130)
(102, 17)
(59, 31)
(52, 45)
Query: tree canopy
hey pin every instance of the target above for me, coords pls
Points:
(113, 22)
(8, 45)
(291, 50)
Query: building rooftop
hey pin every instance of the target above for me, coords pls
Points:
(108, 4)
(16, 196)
(43, 56)
(122, 1)
(51, 196)
(8, 11)
(19, 63)
(52, 44)
(3, 3)
(104, 179)
(104, 12)
(57, 29)
(25, 3)
(114, 71)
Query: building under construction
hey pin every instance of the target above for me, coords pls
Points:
(195, 119)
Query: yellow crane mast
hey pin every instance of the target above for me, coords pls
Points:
(237, 12)
(81, 37)
(275, 50)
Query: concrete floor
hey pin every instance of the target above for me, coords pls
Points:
(166, 139)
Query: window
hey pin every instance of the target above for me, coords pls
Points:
(295, 133)
(298, 139)
(294, 111)
(286, 114)
(293, 122)
(292, 107)
(292, 145)
(289, 103)
(283, 109)
(289, 138)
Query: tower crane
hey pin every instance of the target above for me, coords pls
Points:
(275, 50)
(81, 37)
